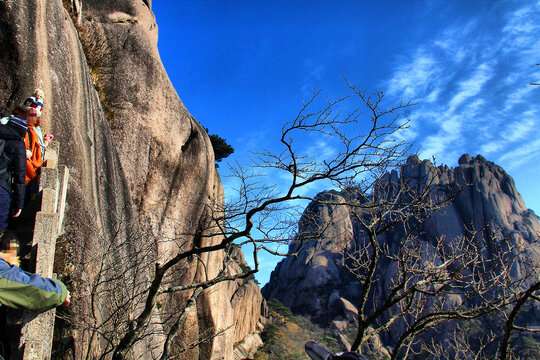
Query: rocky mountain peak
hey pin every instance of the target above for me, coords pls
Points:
(315, 282)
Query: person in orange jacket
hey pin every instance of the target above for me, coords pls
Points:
(34, 156)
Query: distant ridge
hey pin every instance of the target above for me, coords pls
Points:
(317, 284)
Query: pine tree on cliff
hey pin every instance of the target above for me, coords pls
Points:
(221, 148)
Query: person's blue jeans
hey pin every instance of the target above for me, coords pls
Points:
(5, 206)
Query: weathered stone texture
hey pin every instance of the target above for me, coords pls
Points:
(142, 169)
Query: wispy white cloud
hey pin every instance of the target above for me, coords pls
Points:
(521, 155)
(313, 72)
(471, 87)
(412, 79)
(491, 147)
(513, 135)
(521, 32)
(476, 106)
(406, 134)
(321, 149)
(519, 95)
(474, 93)
(439, 143)
(521, 21)
(433, 96)
(521, 128)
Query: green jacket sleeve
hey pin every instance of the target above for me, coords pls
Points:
(23, 290)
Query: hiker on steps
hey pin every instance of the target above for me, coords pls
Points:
(34, 155)
(12, 168)
(36, 101)
(34, 140)
(23, 291)
(20, 289)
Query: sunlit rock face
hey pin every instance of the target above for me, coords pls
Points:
(316, 282)
(142, 168)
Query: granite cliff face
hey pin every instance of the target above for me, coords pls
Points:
(316, 281)
(134, 188)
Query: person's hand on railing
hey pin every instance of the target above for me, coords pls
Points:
(47, 139)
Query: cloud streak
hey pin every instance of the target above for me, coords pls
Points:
(472, 97)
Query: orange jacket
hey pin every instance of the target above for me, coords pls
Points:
(36, 160)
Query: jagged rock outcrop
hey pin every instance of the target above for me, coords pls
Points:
(316, 282)
(137, 194)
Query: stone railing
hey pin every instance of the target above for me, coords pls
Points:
(35, 341)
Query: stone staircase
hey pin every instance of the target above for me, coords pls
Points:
(31, 332)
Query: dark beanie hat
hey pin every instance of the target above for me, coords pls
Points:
(18, 124)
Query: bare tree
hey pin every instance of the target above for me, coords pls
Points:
(521, 298)
(458, 346)
(428, 278)
(438, 282)
(433, 282)
(256, 217)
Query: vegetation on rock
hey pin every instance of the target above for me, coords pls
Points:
(221, 148)
(285, 334)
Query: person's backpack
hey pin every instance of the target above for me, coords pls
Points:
(4, 161)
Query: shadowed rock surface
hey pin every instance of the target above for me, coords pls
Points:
(142, 168)
(316, 282)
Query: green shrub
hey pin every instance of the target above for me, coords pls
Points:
(221, 148)
(270, 334)
(277, 306)
(285, 334)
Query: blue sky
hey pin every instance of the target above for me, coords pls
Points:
(242, 69)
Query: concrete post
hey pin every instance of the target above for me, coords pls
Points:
(63, 175)
(45, 242)
(37, 333)
(51, 155)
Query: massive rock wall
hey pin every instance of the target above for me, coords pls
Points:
(316, 282)
(142, 168)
